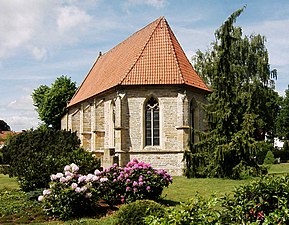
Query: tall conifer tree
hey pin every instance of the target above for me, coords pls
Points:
(240, 109)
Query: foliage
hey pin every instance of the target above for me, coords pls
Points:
(4, 126)
(285, 150)
(137, 180)
(197, 210)
(35, 154)
(241, 108)
(135, 212)
(269, 159)
(50, 102)
(261, 201)
(1, 159)
(15, 207)
(70, 194)
(261, 154)
(283, 118)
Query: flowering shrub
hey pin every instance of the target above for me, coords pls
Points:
(137, 180)
(70, 194)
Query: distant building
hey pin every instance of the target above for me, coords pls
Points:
(140, 100)
(278, 143)
(4, 135)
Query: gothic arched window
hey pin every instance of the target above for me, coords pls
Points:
(152, 122)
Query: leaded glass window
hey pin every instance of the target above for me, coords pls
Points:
(152, 123)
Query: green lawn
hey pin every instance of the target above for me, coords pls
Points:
(8, 183)
(181, 190)
(282, 168)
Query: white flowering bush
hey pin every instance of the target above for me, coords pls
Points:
(70, 194)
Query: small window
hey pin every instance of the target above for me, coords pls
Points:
(192, 124)
(152, 123)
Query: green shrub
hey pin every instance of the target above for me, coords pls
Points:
(196, 211)
(262, 151)
(263, 201)
(258, 201)
(36, 154)
(134, 213)
(269, 158)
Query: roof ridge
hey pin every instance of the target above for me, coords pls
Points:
(85, 78)
(174, 51)
(142, 50)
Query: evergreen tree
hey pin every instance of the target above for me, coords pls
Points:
(241, 108)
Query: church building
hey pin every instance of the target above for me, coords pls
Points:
(142, 99)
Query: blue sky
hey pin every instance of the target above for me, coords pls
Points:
(41, 40)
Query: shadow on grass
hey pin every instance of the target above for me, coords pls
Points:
(168, 202)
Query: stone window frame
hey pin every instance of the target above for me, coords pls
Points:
(112, 108)
(158, 139)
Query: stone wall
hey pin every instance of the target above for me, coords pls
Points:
(170, 161)
(114, 122)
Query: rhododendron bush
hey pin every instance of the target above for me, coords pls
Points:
(72, 194)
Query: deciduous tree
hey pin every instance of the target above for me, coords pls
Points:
(283, 118)
(50, 102)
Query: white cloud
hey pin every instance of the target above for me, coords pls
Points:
(17, 23)
(39, 53)
(71, 17)
(23, 103)
(22, 114)
(20, 122)
(34, 27)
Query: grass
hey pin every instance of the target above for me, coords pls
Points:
(282, 168)
(183, 188)
(8, 183)
(17, 209)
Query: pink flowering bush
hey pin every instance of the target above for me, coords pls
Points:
(70, 194)
(137, 180)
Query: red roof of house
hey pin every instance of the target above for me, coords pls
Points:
(150, 56)
(5, 134)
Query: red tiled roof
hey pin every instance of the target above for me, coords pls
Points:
(150, 56)
(5, 134)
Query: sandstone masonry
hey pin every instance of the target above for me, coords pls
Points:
(112, 125)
